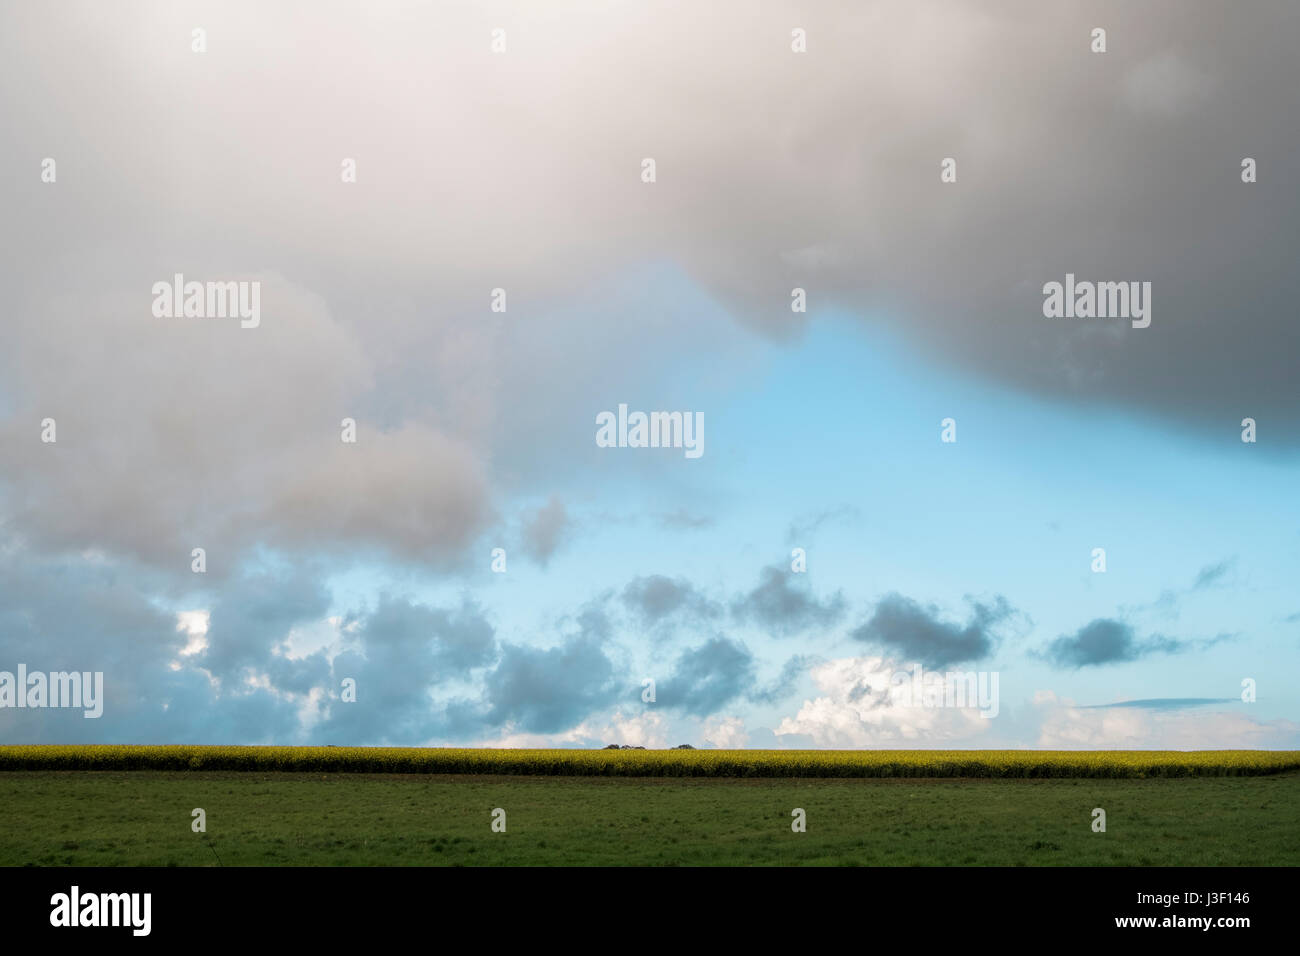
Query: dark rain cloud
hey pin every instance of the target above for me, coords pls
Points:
(1109, 641)
(255, 612)
(547, 691)
(76, 614)
(707, 677)
(902, 627)
(783, 604)
(401, 653)
(656, 597)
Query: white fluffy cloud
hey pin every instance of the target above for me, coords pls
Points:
(858, 707)
(725, 733)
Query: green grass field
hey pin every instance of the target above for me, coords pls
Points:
(143, 818)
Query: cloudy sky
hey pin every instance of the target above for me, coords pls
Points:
(522, 168)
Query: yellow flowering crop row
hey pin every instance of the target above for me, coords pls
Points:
(662, 763)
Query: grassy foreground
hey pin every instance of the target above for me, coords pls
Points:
(143, 818)
(662, 763)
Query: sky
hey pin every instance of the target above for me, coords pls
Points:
(459, 247)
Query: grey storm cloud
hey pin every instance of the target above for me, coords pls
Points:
(404, 650)
(1108, 641)
(546, 691)
(255, 612)
(707, 677)
(784, 604)
(181, 431)
(902, 626)
(655, 597)
(196, 438)
(64, 614)
(430, 643)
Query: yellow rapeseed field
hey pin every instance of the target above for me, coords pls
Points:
(662, 763)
